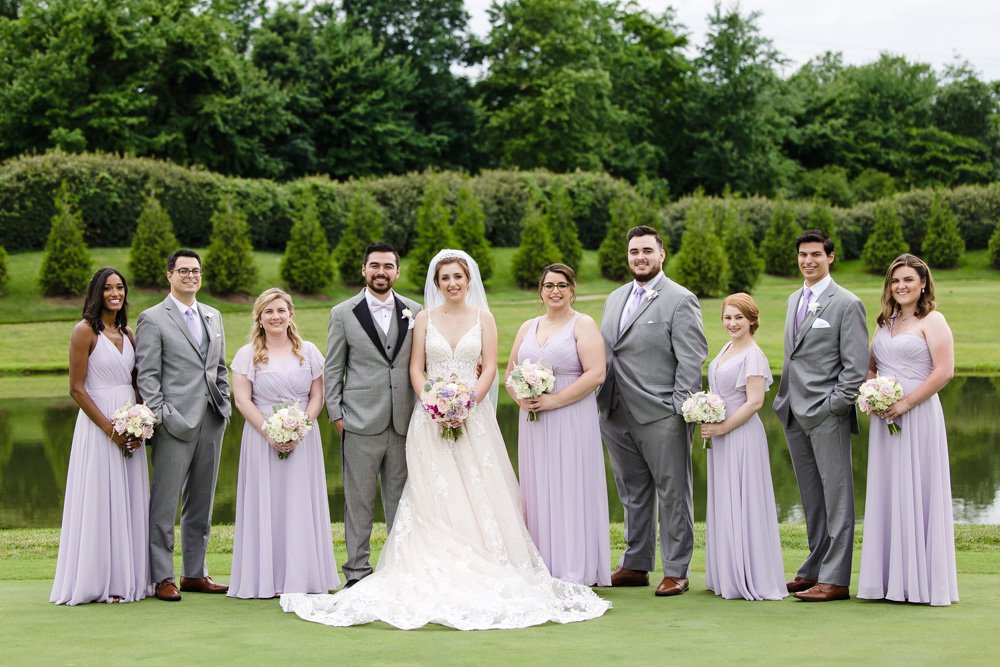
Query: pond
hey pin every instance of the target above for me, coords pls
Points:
(35, 438)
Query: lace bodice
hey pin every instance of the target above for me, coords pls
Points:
(442, 361)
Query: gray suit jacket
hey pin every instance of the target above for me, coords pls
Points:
(366, 386)
(176, 380)
(655, 362)
(823, 366)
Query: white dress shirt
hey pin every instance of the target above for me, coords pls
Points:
(382, 316)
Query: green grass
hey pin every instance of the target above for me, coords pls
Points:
(696, 628)
(36, 330)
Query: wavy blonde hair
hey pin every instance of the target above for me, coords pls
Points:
(257, 337)
(925, 302)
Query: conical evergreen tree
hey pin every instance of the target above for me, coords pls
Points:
(364, 226)
(306, 265)
(4, 269)
(433, 231)
(152, 244)
(886, 242)
(470, 229)
(536, 249)
(993, 249)
(821, 218)
(745, 265)
(626, 211)
(229, 263)
(701, 263)
(777, 249)
(943, 244)
(563, 226)
(66, 264)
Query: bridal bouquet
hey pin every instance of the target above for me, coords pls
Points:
(704, 407)
(286, 425)
(136, 421)
(530, 380)
(879, 393)
(448, 402)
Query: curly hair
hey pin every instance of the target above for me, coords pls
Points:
(257, 336)
(925, 303)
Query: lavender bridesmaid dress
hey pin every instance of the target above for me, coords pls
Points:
(282, 541)
(908, 552)
(104, 542)
(561, 462)
(742, 546)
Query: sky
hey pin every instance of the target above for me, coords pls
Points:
(925, 31)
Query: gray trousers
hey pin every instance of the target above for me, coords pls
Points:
(821, 458)
(189, 470)
(652, 468)
(366, 458)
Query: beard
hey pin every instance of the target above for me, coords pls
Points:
(650, 271)
(370, 282)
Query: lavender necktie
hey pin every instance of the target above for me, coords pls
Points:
(631, 308)
(193, 325)
(800, 316)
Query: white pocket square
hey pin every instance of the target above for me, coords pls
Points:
(649, 322)
(820, 323)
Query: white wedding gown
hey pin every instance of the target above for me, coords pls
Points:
(459, 553)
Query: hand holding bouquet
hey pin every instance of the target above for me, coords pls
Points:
(136, 423)
(531, 380)
(704, 407)
(448, 402)
(877, 394)
(287, 426)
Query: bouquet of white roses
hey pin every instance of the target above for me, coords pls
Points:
(704, 407)
(879, 393)
(288, 424)
(448, 402)
(530, 380)
(135, 421)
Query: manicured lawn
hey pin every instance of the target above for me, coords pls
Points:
(36, 331)
(696, 628)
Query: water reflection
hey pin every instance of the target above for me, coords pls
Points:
(35, 440)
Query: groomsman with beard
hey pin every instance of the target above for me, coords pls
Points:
(655, 347)
(826, 360)
(369, 399)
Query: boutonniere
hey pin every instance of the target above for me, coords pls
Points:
(209, 317)
(814, 307)
(651, 294)
(408, 314)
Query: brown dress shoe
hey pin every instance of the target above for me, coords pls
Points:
(202, 585)
(824, 593)
(798, 584)
(167, 591)
(625, 577)
(671, 586)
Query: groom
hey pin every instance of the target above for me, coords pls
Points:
(369, 399)
(826, 360)
(655, 347)
(182, 376)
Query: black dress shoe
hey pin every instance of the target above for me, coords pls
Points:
(351, 582)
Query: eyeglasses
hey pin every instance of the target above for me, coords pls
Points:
(184, 272)
(562, 287)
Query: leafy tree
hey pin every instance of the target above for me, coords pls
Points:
(229, 263)
(733, 120)
(433, 231)
(306, 264)
(701, 264)
(885, 242)
(829, 184)
(470, 229)
(943, 245)
(626, 211)
(65, 269)
(365, 222)
(745, 264)
(872, 185)
(152, 244)
(777, 249)
(559, 211)
(536, 249)
(4, 270)
(993, 250)
(821, 218)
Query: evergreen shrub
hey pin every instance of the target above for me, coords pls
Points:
(66, 264)
(229, 263)
(536, 250)
(886, 242)
(306, 265)
(152, 244)
(470, 230)
(363, 227)
(943, 246)
(777, 249)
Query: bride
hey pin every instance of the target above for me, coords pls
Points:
(459, 553)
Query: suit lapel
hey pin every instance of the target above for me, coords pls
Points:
(403, 325)
(175, 315)
(364, 316)
(648, 299)
(211, 349)
(823, 300)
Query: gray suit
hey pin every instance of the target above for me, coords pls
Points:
(368, 386)
(654, 363)
(822, 370)
(187, 386)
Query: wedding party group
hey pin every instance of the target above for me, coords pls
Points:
(412, 388)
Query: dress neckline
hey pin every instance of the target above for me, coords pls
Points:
(893, 336)
(554, 333)
(734, 359)
(454, 349)
(121, 352)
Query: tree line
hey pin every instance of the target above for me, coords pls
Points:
(358, 88)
